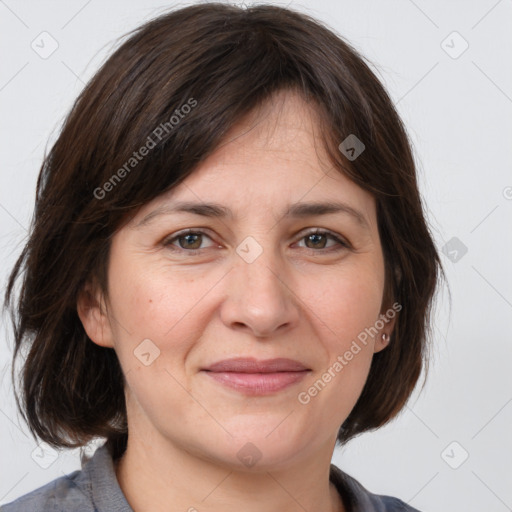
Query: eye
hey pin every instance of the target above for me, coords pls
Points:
(188, 240)
(318, 239)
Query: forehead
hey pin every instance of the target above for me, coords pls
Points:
(283, 127)
(270, 159)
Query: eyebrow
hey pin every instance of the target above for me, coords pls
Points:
(215, 210)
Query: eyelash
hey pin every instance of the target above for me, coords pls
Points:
(342, 244)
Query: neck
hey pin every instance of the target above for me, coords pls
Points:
(159, 476)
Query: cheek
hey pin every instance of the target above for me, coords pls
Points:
(345, 303)
(344, 309)
(156, 304)
(156, 325)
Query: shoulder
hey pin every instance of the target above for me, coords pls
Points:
(391, 504)
(68, 493)
(358, 499)
(92, 488)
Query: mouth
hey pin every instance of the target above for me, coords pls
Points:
(257, 377)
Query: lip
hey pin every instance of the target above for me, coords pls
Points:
(252, 365)
(257, 377)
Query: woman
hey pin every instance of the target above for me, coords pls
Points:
(229, 271)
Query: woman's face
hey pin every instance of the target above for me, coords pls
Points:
(248, 281)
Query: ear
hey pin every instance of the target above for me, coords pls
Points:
(92, 312)
(382, 339)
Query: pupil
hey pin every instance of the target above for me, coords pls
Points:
(315, 238)
(188, 238)
(191, 239)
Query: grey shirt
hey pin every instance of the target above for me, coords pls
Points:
(94, 488)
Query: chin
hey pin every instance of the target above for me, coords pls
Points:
(262, 448)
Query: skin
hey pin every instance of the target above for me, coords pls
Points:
(298, 299)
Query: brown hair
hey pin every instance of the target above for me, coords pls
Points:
(223, 61)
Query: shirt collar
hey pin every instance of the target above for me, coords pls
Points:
(108, 496)
(106, 492)
(354, 496)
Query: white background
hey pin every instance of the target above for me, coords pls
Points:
(458, 112)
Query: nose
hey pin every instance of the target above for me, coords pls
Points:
(259, 300)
